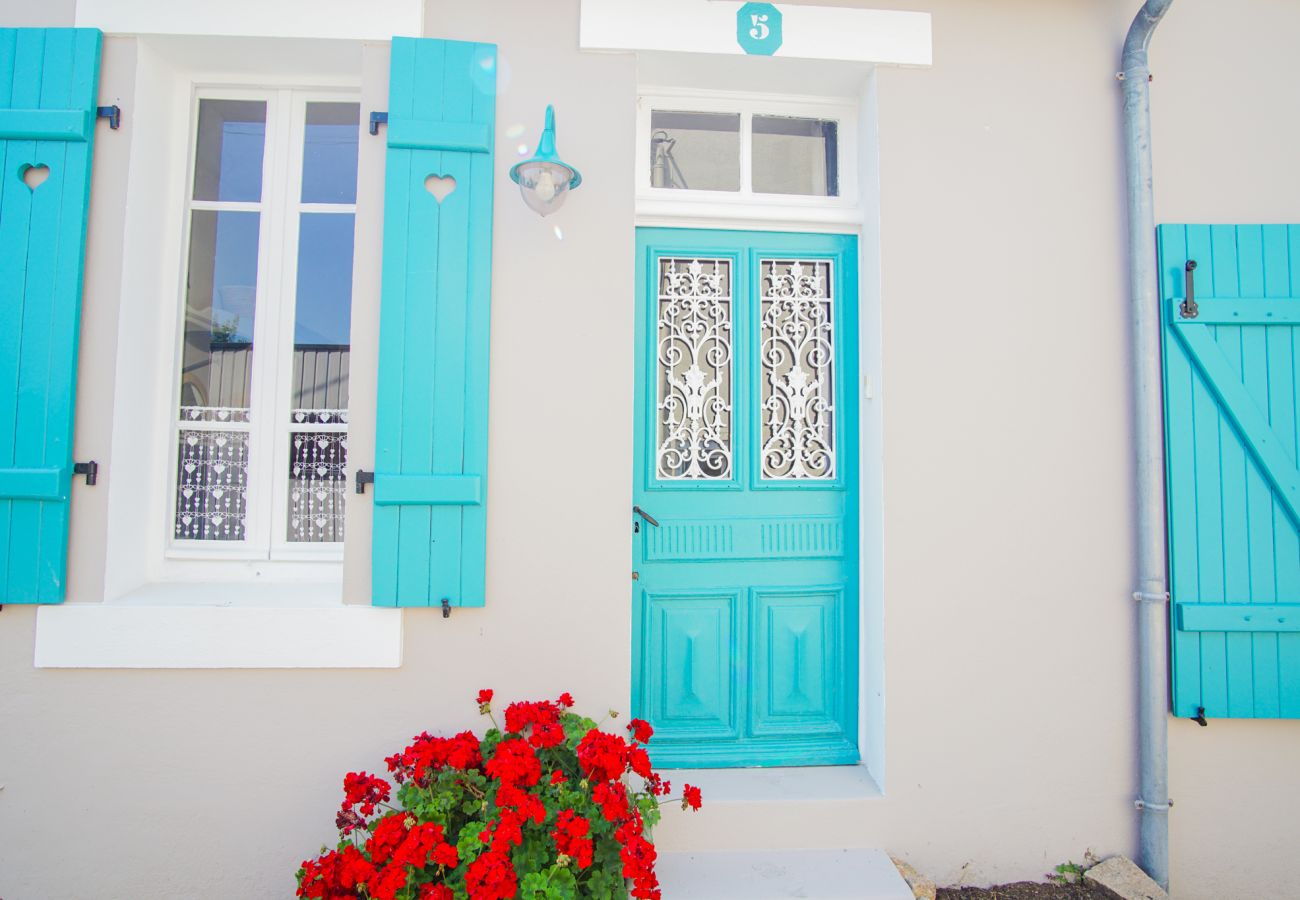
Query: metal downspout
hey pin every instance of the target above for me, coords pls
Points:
(1152, 591)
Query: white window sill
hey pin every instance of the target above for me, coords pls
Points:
(200, 627)
(778, 784)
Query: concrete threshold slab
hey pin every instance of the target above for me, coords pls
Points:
(864, 874)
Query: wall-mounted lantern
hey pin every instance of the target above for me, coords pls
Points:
(545, 180)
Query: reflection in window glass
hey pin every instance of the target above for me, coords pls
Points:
(695, 151)
(216, 377)
(329, 153)
(220, 307)
(318, 414)
(228, 155)
(318, 442)
(795, 156)
(324, 310)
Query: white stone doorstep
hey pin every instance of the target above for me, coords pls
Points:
(110, 636)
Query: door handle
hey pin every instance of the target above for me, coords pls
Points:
(638, 511)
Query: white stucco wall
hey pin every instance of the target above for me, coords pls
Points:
(1009, 708)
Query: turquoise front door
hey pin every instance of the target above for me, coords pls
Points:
(746, 545)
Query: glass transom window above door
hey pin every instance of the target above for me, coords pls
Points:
(743, 147)
(261, 410)
(745, 552)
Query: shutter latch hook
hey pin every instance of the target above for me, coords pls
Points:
(1187, 309)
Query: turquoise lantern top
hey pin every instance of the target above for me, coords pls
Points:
(545, 180)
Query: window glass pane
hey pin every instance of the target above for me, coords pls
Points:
(323, 316)
(216, 377)
(695, 151)
(220, 304)
(318, 443)
(795, 156)
(228, 156)
(329, 153)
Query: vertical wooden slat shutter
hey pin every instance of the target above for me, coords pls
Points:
(48, 81)
(1232, 381)
(430, 519)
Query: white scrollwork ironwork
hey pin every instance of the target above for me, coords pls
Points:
(797, 352)
(694, 369)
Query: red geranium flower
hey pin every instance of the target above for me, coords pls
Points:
(690, 797)
(641, 730)
(602, 756)
(367, 790)
(566, 700)
(571, 838)
(515, 763)
(484, 700)
(492, 877)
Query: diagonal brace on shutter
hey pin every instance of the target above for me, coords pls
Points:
(1276, 464)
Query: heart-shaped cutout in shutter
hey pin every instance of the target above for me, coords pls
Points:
(34, 175)
(440, 186)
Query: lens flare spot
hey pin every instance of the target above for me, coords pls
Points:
(514, 131)
(559, 233)
(522, 149)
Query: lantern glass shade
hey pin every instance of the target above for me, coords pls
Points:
(544, 185)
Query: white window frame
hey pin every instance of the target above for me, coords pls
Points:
(269, 422)
(661, 205)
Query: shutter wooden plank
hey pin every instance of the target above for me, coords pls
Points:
(434, 309)
(1288, 574)
(53, 72)
(477, 341)
(1180, 449)
(13, 230)
(1207, 438)
(1259, 279)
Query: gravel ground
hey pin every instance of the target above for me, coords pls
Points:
(1029, 890)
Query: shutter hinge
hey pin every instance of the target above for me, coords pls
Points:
(377, 119)
(446, 608)
(364, 478)
(112, 113)
(1199, 718)
(1187, 309)
(89, 469)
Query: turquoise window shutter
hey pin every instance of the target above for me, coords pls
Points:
(48, 81)
(430, 516)
(1232, 378)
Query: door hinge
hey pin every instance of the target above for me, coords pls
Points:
(112, 113)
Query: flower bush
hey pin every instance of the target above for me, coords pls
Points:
(548, 807)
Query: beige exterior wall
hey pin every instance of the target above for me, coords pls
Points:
(1009, 702)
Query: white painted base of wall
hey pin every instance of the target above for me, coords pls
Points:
(117, 636)
(814, 874)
